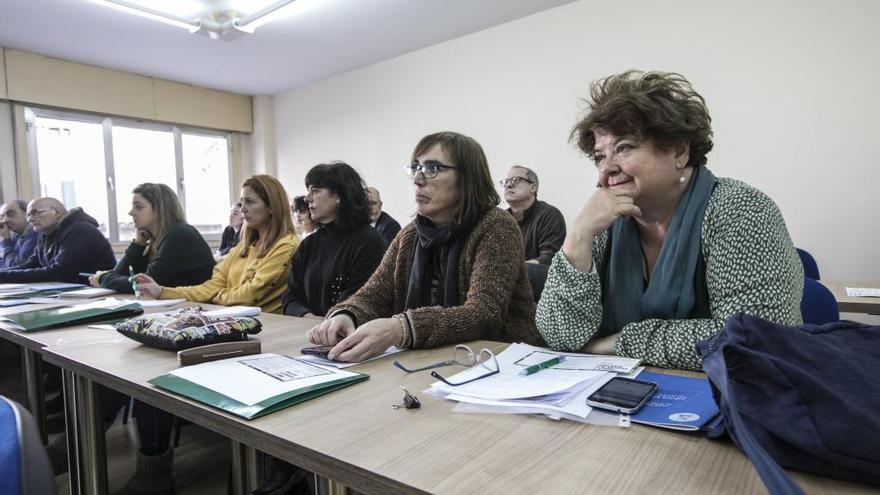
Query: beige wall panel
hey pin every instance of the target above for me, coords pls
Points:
(185, 104)
(3, 92)
(47, 81)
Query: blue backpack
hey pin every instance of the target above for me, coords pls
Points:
(806, 398)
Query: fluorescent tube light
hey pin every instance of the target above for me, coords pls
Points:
(190, 25)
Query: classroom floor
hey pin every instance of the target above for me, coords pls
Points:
(192, 475)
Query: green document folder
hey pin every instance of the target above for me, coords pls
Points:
(42, 319)
(200, 393)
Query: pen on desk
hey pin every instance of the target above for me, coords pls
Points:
(538, 367)
(85, 274)
(134, 283)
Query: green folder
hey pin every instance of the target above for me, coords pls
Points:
(62, 316)
(207, 396)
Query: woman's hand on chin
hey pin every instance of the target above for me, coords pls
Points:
(370, 340)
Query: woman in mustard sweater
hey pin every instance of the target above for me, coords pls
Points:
(255, 271)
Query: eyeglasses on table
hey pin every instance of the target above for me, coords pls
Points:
(462, 356)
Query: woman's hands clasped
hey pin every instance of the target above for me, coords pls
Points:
(354, 345)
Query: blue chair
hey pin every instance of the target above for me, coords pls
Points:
(811, 269)
(818, 305)
(24, 466)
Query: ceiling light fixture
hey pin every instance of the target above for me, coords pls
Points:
(221, 25)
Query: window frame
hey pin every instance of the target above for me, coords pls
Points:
(107, 123)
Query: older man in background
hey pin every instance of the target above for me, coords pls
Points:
(69, 244)
(542, 225)
(17, 237)
(381, 221)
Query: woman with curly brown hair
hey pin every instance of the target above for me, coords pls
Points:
(663, 252)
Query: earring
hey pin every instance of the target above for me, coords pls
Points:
(681, 179)
(337, 200)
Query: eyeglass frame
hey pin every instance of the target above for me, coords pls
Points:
(515, 180)
(475, 357)
(481, 362)
(38, 211)
(415, 168)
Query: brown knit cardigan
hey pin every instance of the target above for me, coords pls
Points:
(496, 294)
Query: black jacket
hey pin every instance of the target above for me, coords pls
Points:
(388, 227)
(329, 266)
(229, 239)
(74, 247)
(183, 258)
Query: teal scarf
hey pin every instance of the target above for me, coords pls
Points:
(670, 291)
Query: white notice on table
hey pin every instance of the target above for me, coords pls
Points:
(248, 384)
(284, 368)
(862, 292)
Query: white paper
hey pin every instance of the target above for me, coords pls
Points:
(340, 365)
(508, 384)
(158, 303)
(862, 292)
(89, 293)
(234, 311)
(246, 384)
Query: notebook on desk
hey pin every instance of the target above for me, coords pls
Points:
(255, 385)
(62, 316)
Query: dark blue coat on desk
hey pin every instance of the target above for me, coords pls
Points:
(75, 246)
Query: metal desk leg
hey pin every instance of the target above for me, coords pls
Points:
(239, 469)
(33, 386)
(90, 426)
(70, 429)
(254, 468)
(326, 486)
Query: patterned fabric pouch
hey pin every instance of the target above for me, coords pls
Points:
(186, 328)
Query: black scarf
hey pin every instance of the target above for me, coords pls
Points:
(434, 241)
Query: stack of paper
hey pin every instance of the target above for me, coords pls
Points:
(87, 293)
(559, 391)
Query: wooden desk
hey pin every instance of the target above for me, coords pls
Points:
(355, 437)
(869, 305)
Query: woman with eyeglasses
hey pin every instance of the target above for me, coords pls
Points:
(338, 258)
(454, 274)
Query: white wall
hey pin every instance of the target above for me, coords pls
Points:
(791, 86)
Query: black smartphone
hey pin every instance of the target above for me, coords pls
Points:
(623, 395)
(318, 350)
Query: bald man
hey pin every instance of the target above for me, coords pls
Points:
(380, 220)
(17, 237)
(69, 243)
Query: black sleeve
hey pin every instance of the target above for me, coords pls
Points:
(551, 235)
(294, 303)
(117, 279)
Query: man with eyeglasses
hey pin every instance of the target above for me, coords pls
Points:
(69, 244)
(17, 237)
(541, 224)
(381, 221)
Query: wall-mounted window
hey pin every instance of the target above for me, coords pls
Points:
(94, 162)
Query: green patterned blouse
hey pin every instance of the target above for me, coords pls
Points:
(751, 267)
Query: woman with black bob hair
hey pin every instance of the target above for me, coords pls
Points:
(341, 255)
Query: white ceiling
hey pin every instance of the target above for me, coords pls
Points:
(328, 38)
